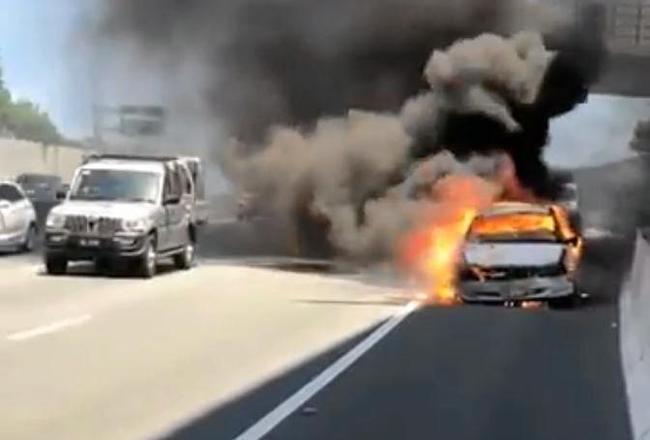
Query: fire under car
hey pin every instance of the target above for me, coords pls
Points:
(519, 252)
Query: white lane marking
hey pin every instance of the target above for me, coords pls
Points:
(49, 328)
(286, 408)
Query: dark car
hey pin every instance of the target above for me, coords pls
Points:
(40, 187)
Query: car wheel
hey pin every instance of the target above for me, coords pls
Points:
(56, 265)
(185, 259)
(147, 264)
(30, 239)
(104, 266)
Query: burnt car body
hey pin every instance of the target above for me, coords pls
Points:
(517, 252)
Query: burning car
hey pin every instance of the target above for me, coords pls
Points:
(517, 252)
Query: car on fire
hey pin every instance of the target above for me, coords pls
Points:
(18, 226)
(123, 208)
(518, 252)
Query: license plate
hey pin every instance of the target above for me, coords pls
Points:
(89, 242)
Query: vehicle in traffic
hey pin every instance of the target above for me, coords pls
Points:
(40, 187)
(516, 252)
(129, 209)
(18, 227)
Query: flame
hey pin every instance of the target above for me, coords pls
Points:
(432, 251)
(506, 224)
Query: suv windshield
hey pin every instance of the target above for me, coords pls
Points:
(514, 227)
(135, 186)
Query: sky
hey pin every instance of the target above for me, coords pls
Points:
(44, 60)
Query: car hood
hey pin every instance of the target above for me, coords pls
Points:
(123, 210)
(513, 254)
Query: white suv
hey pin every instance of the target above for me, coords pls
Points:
(18, 228)
(125, 208)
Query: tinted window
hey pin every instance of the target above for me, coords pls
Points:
(10, 193)
(186, 180)
(38, 179)
(172, 182)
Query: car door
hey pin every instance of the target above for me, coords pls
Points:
(188, 200)
(12, 209)
(26, 209)
(174, 210)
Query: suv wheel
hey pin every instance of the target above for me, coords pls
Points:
(30, 239)
(185, 259)
(56, 265)
(146, 264)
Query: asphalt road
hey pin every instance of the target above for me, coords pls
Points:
(206, 354)
(84, 357)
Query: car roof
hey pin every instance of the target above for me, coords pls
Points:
(504, 208)
(47, 176)
(126, 165)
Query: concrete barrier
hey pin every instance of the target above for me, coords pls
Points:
(635, 337)
(18, 156)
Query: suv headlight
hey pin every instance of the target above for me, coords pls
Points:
(136, 225)
(55, 221)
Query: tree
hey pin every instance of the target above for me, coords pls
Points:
(24, 120)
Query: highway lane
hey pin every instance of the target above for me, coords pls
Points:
(461, 372)
(117, 358)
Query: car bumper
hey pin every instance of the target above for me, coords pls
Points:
(10, 241)
(529, 289)
(73, 247)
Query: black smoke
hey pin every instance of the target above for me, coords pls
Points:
(294, 61)
(575, 68)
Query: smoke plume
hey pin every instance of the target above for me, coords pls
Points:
(436, 99)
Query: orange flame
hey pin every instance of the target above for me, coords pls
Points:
(505, 224)
(432, 251)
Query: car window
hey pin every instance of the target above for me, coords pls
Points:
(514, 227)
(116, 185)
(172, 182)
(185, 179)
(10, 193)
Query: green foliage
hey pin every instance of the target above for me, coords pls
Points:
(24, 120)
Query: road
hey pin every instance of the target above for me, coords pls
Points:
(82, 357)
(207, 353)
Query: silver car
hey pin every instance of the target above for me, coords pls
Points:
(517, 252)
(18, 228)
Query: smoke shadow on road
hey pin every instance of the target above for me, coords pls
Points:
(229, 420)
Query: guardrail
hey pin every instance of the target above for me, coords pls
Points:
(635, 336)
